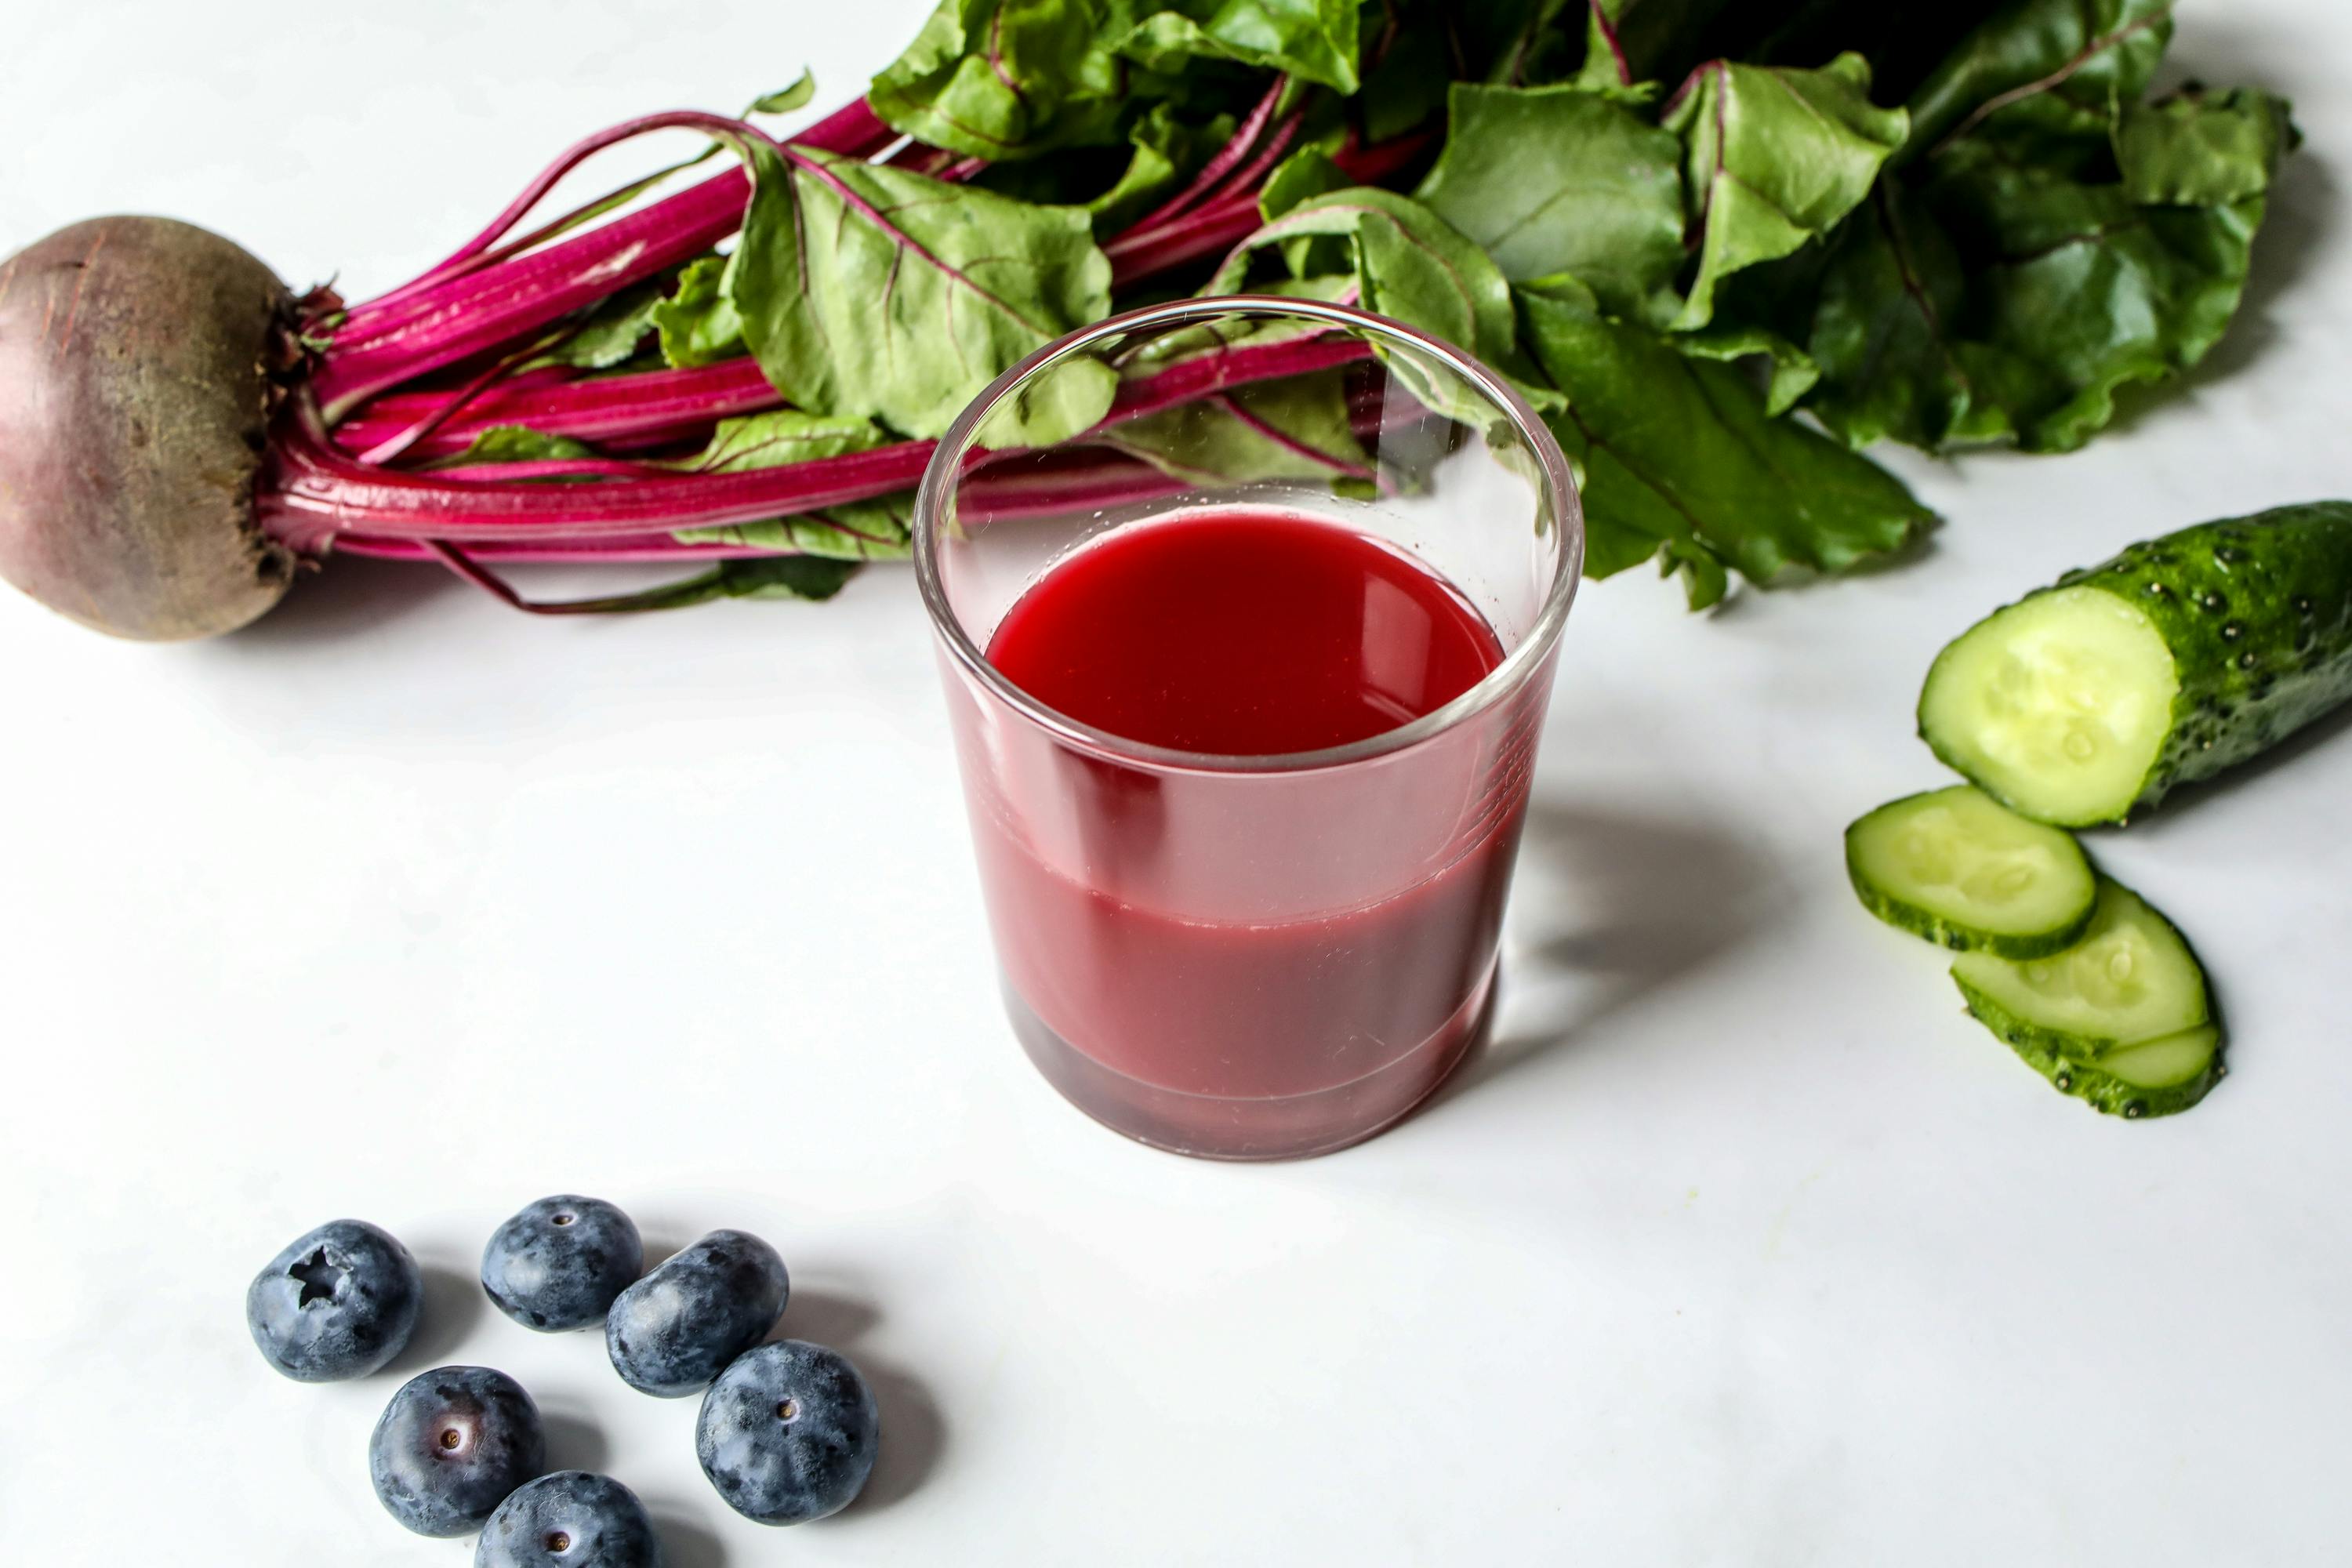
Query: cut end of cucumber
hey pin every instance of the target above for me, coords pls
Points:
(2058, 706)
(1959, 869)
(2129, 981)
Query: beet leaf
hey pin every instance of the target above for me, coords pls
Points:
(1556, 179)
(869, 291)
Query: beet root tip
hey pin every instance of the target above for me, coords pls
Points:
(135, 396)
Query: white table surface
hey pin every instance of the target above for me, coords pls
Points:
(1742, 1246)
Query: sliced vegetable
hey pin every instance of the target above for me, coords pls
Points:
(2157, 1078)
(2130, 980)
(2121, 1019)
(1956, 868)
(2090, 701)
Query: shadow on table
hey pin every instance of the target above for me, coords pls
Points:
(347, 596)
(454, 1302)
(1627, 903)
(687, 1540)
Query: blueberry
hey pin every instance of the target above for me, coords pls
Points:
(788, 1433)
(338, 1303)
(451, 1445)
(558, 1264)
(570, 1519)
(677, 1328)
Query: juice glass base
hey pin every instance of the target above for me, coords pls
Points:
(1279, 1127)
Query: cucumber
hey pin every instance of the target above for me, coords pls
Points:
(2122, 1018)
(2158, 1079)
(1957, 867)
(2090, 700)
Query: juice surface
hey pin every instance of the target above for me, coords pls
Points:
(1242, 634)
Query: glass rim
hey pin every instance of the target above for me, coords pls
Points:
(941, 474)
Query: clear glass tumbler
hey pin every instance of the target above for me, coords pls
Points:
(1249, 957)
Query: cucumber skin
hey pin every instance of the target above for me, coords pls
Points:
(2045, 1052)
(2257, 612)
(1919, 922)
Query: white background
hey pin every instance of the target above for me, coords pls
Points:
(1742, 1246)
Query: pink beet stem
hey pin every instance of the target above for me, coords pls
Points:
(377, 348)
(1211, 230)
(1105, 481)
(643, 547)
(317, 492)
(1252, 175)
(1198, 189)
(594, 408)
(544, 468)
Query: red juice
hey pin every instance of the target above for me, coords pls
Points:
(1235, 962)
(1244, 634)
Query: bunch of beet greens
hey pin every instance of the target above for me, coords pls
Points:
(1721, 246)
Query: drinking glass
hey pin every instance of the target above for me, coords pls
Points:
(1248, 957)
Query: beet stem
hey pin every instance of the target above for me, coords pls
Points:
(315, 492)
(1141, 252)
(638, 404)
(376, 348)
(1201, 185)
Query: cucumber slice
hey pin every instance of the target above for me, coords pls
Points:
(2178, 658)
(1959, 869)
(2157, 1078)
(2131, 979)
(2121, 1019)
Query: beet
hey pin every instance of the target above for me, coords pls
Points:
(180, 434)
(134, 411)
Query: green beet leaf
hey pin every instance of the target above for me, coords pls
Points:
(780, 437)
(2043, 71)
(1774, 158)
(786, 99)
(517, 444)
(877, 293)
(2203, 149)
(1995, 294)
(1413, 63)
(1556, 179)
(697, 323)
(785, 578)
(1007, 80)
(1164, 152)
(1409, 264)
(1003, 79)
(1050, 405)
(1313, 40)
(608, 335)
(1225, 334)
(807, 577)
(857, 531)
(1791, 371)
(1117, 185)
(1301, 178)
(1681, 462)
(1511, 43)
(1630, 42)
(1296, 428)
(860, 530)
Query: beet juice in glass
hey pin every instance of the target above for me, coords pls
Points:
(1245, 683)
